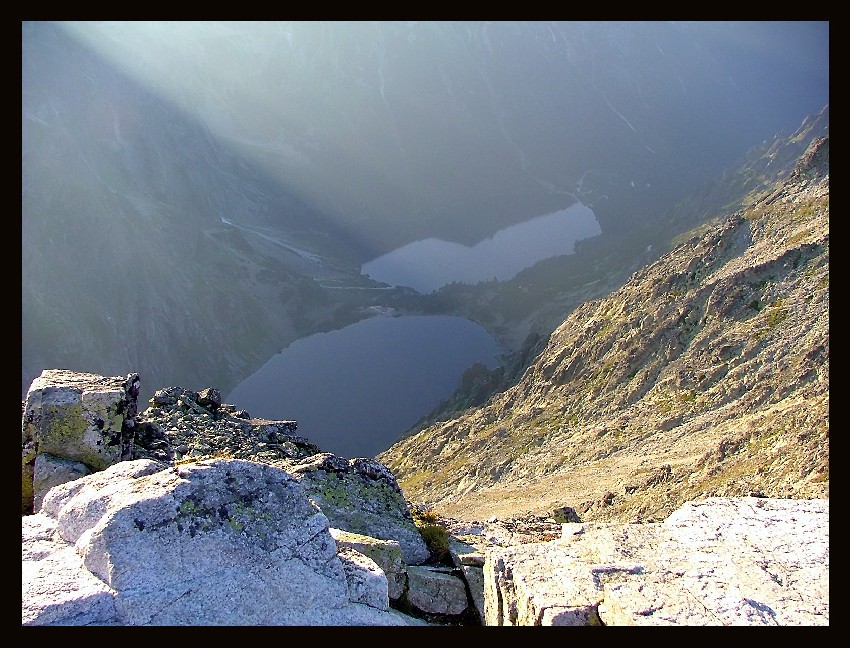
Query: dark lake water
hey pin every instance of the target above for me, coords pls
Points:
(356, 390)
(432, 263)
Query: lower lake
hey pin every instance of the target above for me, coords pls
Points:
(356, 390)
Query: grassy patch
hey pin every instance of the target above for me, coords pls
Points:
(776, 314)
(433, 533)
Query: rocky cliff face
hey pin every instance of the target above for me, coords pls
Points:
(706, 373)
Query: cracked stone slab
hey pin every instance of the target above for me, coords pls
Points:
(719, 561)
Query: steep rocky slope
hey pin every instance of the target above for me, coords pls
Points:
(523, 312)
(705, 374)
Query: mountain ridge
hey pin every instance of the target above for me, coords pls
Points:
(548, 303)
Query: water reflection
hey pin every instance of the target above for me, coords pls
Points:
(356, 390)
(429, 264)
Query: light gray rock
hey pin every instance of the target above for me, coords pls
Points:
(385, 553)
(463, 553)
(366, 581)
(50, 471)
(436, 591)
(362, 496)
(470, 559)
(719, 561)
(218, 542)
(475, 582)
(57, 589)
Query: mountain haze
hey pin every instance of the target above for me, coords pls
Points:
(198, 195)
(705, 374)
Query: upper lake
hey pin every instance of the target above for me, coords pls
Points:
(429, 264)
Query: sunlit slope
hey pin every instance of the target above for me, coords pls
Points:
(706, 373)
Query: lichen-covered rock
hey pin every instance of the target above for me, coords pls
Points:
(209, 397)
(362, 496)
(28, 457)
(181, 425)
(81, 417)
(219, 542)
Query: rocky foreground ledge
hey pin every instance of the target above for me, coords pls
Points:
(192, 513)
(719, 561)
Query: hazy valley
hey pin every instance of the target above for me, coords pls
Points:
(425, 323)
(198, 196)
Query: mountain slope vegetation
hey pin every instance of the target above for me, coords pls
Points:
(705, 374)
